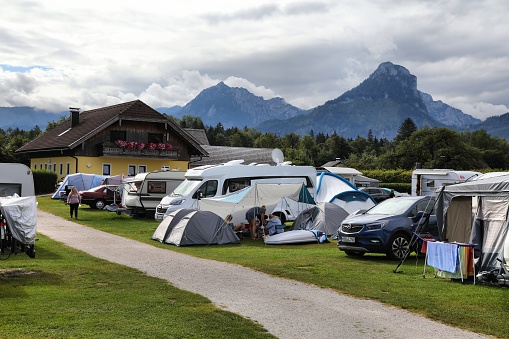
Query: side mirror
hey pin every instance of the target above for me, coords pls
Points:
(198, 195)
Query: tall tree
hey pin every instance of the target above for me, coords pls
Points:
(405, 130)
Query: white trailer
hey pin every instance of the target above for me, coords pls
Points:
(142, 193)
(428, 181)
(16, 178)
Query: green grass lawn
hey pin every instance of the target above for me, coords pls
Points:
(478, 308)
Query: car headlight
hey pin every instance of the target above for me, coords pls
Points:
(177, 202)
(375, 226)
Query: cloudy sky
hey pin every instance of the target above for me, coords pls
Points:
(58, 53)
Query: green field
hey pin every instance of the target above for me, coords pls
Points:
(482, 309)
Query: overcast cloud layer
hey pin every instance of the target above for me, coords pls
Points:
(56, 54)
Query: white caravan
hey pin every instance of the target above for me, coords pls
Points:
(142, 193)
(427, 181)
(219, 180)
(16, 178)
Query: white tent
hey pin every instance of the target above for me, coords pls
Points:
(477, 212)
(239, 202)
(337, 190)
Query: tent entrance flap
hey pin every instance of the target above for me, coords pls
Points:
(459, 219)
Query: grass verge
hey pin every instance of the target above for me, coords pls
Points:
(65, 293)
(482, 309)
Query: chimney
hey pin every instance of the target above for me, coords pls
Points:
(75, 116)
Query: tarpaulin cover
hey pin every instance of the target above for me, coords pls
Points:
(21, 216)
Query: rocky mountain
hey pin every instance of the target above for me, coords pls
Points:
(175, 110)
(236, 107)
(446, 114)
(26, 118)
(497, 126)
(380, 104)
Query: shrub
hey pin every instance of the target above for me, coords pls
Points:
(389, 176)
(44, 181)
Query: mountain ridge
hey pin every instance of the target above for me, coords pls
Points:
(379, 104)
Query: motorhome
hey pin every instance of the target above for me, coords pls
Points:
(428, 181)
(222, 179)
(16, 178)
(142, 193)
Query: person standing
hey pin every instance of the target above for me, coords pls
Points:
(74, 201)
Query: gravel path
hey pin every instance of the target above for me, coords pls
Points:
(292, 310)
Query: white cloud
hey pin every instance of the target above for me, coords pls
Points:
(95, 53)
(481, 110)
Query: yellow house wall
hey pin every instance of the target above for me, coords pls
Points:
(94, 165)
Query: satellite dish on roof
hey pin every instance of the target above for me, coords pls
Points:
(277, 156)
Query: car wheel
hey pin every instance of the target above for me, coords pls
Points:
(99, 204)
(398, 246)
(354, 253)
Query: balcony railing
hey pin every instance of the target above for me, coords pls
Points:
(148, 153)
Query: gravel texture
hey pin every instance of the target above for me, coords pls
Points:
(291, 310)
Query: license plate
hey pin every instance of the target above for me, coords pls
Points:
(348, 239)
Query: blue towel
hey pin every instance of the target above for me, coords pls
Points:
(443, 256)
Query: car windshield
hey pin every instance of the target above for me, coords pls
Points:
(392, 206)
(186, 187)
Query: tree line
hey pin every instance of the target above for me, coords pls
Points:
(429, 147)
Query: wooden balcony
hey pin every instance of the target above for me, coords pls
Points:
(137, 153)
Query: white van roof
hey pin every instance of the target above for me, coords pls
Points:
(164, 175)
(236, 168)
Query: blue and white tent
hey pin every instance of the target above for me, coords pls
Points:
(81, 181)
(339, 191)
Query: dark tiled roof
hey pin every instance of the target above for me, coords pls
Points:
(199, 135)
(91, 122)
(222, 154)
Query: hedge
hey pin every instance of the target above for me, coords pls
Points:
(389, 176)
(44, 181)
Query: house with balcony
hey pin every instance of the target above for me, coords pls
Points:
(127, 138)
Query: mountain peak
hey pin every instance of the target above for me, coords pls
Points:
(236, 106)
(389, 69)
(387, 82)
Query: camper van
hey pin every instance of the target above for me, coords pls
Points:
(143, 192)
(427, 181)
(219, 180)
(16, 178)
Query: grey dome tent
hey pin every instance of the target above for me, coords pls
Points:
(186, 227)
(325, 217)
